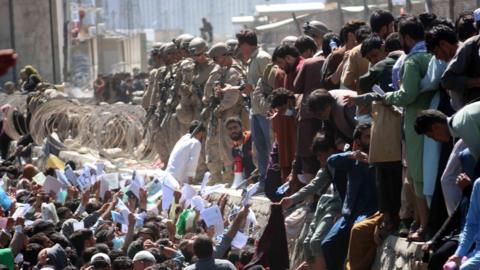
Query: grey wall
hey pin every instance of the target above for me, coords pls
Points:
(35, 36)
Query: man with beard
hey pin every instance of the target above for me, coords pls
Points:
(361, 196)
(242, 145)
(288, 58)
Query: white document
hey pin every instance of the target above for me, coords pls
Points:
(135, 189)
(212, 189)
(22, 209)
(240, 240)
(70, 175)
(121, 206)
(205, 179)
(213, 217)
(52, 184)
(104, 187)
(118, 218)
(167, 196)
(112, 179)
(100, 168)
(39, 178)
(78, 226)
(250, 191)
(61, 176)
(49, 212)
(140, 218)
(377, 89)
(188, 192)
(197, 203)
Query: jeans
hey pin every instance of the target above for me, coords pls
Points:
(261, 139)
(335, 244)
(473, 261)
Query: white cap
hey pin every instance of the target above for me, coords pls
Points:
(100, 257)
(476, 14)
(144, 256)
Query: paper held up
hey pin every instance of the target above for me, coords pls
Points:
(377, 89)
(250, 191)
(212, 189)
(197, 203)
(240, 240)
(188, 192)
(206, 178)
(39, 178)
(167, 196)
(213, 217)
(52, 185)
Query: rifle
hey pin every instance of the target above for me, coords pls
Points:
(150, 113)
(209, 111)
(170, 103)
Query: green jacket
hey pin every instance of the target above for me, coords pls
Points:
(413, 101)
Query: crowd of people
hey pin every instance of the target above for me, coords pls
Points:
(376, 129)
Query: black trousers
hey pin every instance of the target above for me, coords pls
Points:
(389, 186)
(440, 257)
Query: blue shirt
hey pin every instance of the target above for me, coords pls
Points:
(471, 230)
(361, 193)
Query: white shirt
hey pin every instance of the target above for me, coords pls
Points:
(183, 160)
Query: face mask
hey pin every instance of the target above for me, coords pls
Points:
(289, 112)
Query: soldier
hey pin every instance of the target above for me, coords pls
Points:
(156, 63)
(174, 126)
(223, 96)
(316, 30)
(164, 81)
(203, 67)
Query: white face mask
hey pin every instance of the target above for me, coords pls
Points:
(289, 112)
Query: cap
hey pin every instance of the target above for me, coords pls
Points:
(168, 48)
(218, 49)
(316, 28)
(476, 14)
(144, 256)
(289, 41)
(183, 40)
(100, 259)
(197, 46)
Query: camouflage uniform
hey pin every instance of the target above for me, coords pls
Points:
(218, 145)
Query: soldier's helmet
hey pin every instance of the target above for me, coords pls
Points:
(157, 48)
(168, 48)
(197, 46)
(217, 50)
(232, 44)
(315, 28)
(289, 41)
(183, 40)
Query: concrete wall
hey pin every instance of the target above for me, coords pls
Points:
(111, 56)
(35, 36)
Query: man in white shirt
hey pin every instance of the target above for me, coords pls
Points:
(183, 160)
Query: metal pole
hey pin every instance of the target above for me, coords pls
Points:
(429, 6)
(340, 13)
(390, 6)
(365, 10)
(409, 6)
(451, 9)
(52, 41)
